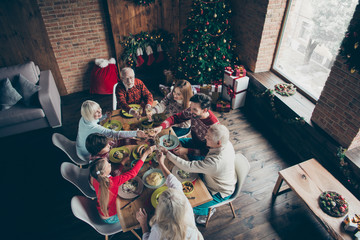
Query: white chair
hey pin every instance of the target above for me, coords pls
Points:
(114, 97)
(242, 168)
(85, 210)
(69, 147)
(79, 177)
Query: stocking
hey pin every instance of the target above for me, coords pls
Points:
(160, 54)
(139, 59)
(150, 54)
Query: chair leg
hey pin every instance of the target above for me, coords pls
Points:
(133, 231)
(208, 217)
(232, 209)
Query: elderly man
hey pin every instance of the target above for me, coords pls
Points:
(217, 169)
(201, 120)
(132, 91)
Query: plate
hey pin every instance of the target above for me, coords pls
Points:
(156, 194)
(113, 124)
(136, 156)
(333, 204)
(129, 195)
(192, 176)
(135, 106)
(112, 151)
(148, 172)
(165, 138)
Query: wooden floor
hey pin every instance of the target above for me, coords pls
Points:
(37, 198)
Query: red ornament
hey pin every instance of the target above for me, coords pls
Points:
(202, 12)
(205, 55)
(207, 23)
(218, 49)
(227, 21)
(223, 57)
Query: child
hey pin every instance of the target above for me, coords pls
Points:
(107, 186)
(175, 102)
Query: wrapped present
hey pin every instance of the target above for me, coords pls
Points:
(195, 88)
(222, 106)
(234, 89)
(206, 89)
(239, 71)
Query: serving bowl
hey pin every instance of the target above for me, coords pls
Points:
(163, 140)
(150, 171)
(188, 187)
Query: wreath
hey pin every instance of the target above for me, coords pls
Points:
(285, 89)
(143, 2)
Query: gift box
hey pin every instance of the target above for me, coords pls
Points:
(222, 106)
(239, 71)
(234, 89)
(214, 91)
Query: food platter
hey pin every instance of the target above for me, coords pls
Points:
(113, 125)
(137, 156)
(113, 154)
(333, 204)
(156, 194)
(126, 191)
(127, 115)
(164, 142)
(159, 177)
(183, 176)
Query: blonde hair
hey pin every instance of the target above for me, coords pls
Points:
(88, 109)
(170, 215)
(186, 92)
(219, 133)
(96, 171)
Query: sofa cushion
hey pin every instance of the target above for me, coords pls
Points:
(19, 113)
(26, 89)
(8, 94)
(27, 69)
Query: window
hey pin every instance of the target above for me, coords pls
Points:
(310, 39)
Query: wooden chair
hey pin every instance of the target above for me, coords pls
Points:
(85, 210)
(68, 147)
(79, 177)
(242, 168)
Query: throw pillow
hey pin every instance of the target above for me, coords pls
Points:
(26, 88)
(8, 94)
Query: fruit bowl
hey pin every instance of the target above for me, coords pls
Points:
(188, 187)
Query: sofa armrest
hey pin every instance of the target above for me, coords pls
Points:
(49, 98)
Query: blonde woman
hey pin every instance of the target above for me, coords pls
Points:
(91, 112)
(174, 218)
(176, 101)
(107, 186)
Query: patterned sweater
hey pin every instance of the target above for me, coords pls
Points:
(138, 94)
(199, 128)
(169, 106)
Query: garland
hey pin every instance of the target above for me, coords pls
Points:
(270, 94)
(285, 89)
(350, 47)
(131, 43)
(346, 171)
(143, 2)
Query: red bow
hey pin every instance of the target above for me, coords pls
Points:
(229, 69)
(230, 92)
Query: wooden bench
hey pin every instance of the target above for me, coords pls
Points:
(308, 180)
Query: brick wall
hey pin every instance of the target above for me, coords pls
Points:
(79, 32)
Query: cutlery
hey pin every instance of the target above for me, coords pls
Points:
(129, 202)
(191, 197)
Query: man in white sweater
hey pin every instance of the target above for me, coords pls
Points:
(218, 169)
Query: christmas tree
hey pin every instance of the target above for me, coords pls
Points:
(206, 48)
(350, 47)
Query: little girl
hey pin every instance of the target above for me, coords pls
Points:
(175, 102)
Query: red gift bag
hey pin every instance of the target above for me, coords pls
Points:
(103, 76)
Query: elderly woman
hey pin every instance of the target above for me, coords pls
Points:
(132, 91)
(90, 115)
(173, 217)
(217, 169)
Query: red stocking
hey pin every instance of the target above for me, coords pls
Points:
(139, 59)
(150, 54)
(160, 54)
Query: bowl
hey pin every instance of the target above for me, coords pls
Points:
(156, 194)
(165, 138)
(146, 124)
(188, 187)
(124, 150)
(150, 171)
(136, 156)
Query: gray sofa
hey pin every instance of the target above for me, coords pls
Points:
(46, 113)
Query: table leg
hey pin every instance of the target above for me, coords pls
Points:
(277, 186)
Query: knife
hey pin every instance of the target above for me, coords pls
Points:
(129, 202)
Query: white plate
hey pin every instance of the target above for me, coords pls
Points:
(191, 178)
(130, 195)
(173, 138)
(151, 171)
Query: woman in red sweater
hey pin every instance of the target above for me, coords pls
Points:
(107, 186)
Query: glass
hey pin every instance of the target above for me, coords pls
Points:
(310, 40)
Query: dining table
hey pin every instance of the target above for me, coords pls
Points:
(129, 207)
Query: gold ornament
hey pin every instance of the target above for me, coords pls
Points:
(214, 58)
(200, 58)
(229, 11)
(215, 15)
(352, 70)
(224, 40)
(205, 30)
(209, 69)
(356, 45)
(199, 72)
(219, 31)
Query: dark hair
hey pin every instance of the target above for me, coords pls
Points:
(95, 142)
(203, 99)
